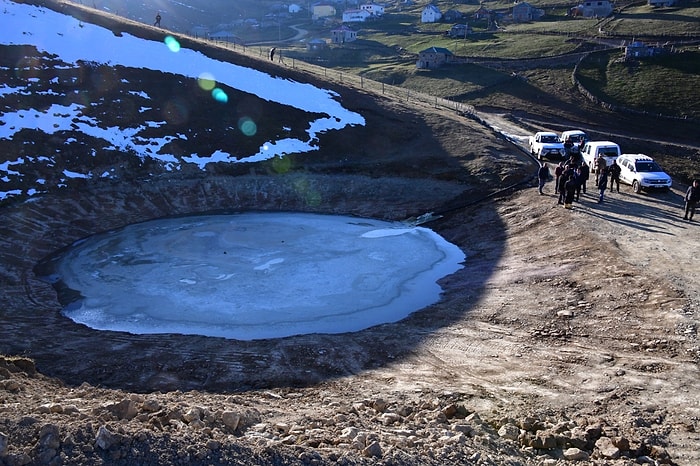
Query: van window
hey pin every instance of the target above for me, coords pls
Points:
(608, 151)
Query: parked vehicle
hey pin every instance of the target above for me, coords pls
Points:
(593, 149)
(575, 136)
(642, 172)
(546, 144)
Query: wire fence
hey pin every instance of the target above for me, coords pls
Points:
(408, 96)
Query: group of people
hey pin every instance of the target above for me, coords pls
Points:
(571, 178)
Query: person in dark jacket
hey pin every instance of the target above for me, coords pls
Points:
(692, 197)
(542, 176)
(562, 186)
(570, 188)
(578, 178)
(614, 171)
(585, 174)
(557, 174)
(602, 183)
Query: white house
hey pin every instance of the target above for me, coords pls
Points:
(430, 14)
(593, 9)
(322, 10)
(355, 16)
(373, 8)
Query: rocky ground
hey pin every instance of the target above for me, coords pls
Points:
(569, 337)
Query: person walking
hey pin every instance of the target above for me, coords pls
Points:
(615, 175)
(542, 176)
(602, 183)
(599, 165)
(692, 197)
(157, 23)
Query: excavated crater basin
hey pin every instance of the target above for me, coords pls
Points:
(252, 275)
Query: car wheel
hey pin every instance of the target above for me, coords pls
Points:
(636, 187)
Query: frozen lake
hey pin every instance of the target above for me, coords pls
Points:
(254, 275)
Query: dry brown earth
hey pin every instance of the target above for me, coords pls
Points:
(570, 336)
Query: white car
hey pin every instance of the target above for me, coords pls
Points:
(642, 172)
(576, 136)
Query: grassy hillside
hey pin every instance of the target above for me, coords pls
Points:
(387, 48)
(666, 84)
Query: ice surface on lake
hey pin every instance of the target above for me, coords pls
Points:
(255, 275)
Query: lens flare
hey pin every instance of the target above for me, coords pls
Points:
(281, 164)
(206, 81)
(247, 126)
(219, 95)
(172, 43)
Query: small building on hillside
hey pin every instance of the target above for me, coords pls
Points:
(482, 13)
(459, 30)
(430, 14)
(322, 10)
(593, 9)
(434, 57)
(342, 35)
(452, 16)
(374, 8)
(638, 49)
(524, 12)
(356, 16)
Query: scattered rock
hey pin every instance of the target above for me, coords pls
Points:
(575, 454)
(105, 439)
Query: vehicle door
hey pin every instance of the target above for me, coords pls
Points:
(626, 171)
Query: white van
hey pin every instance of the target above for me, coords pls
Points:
(610, 151)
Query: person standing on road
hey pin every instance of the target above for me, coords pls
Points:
(157, 23)
(600, 165)
(272, 54)
(578, 178)
(562, 185)
(542, 176)
(602, 183)
(615, 175)
(557, 174)
(570, 188)
(692, 197)
(585, 174)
